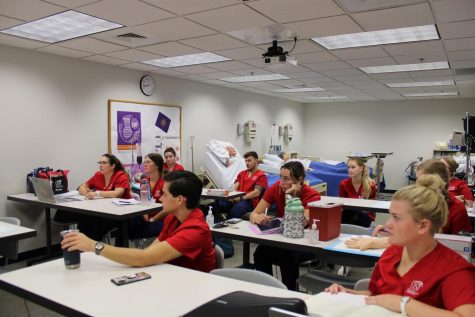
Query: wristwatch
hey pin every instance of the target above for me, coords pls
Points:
(404, 301)
(99, 247)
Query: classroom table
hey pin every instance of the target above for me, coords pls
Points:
(372, 205)
(88, 291)
(231, 195)
(11, 232)
(102, 207)
(242, 231)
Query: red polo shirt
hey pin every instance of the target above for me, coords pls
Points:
(276, 195)
(247, 183)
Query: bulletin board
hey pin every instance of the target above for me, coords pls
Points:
(139, 128)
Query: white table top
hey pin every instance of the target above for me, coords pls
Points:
(13, 232)
(231, 194)
(102, 207)
(172, 290)
(366, 204)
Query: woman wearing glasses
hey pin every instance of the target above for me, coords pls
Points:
(111, 181)
(292, 175)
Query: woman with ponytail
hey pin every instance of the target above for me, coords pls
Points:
(358, 185)
(416, 275)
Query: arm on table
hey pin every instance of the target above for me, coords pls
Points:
(258, 214)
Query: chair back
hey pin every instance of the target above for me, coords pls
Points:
(219, 256)
(248, 275)
(354, 229)
(9, 250)
(362, 285)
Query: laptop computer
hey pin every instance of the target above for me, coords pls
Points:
(44, 192)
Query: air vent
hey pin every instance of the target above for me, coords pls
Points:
(132, 38)
(131, 35)
(465, 71)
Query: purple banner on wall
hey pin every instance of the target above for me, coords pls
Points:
(163, 122)
(128, 129)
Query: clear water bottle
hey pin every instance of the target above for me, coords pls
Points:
(144, 192)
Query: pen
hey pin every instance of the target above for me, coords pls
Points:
(124, 202)
(265, 214)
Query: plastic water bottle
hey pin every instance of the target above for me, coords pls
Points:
(144, 192)
(210, 217)
(314, 234)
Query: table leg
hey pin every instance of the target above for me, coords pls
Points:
(48, 230)
(125, 233)
(246, 249)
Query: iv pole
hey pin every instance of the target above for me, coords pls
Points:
(467, 148)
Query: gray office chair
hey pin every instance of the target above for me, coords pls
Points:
(362, 285)
(248, 275)
(316, 280)
(9, 250)
(219, 256)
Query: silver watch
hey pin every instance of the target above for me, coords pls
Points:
(99, 247)
(404, 301)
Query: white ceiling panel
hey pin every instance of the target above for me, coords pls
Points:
(232, 65)
(105, 60)
(328, 65)
(421, 48)
(465, 44)
(368, 5)
(134, 55)
(288, 11)
(175, 29)
(217, 75)
(214, 42)
(371, 62)
(463, 64)
(414, 59)
(324, 27)
(70, 4)
(195, 69)
(241, 53)
(91, 45)
(168, 72)
(28, 10)
(413, 15)
(431, 73)
(117, 36)
(454, 10)
(456, 30)
(63, 51)
(139, 66)
(315, 57)
(360, 53)
(170, 49)
(6, 22)
(182, 7)
(231, 18)
(19, 42)
(125, 12)
(461, 55)
(341, 72)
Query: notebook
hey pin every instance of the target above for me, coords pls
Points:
(44, 192)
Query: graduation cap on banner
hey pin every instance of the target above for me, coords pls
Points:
(163, 122)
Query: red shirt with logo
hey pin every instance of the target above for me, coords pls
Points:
(192, 238)
(247, 183)
(459, 187)
(118, 180)
(276, 195)
(442, 278)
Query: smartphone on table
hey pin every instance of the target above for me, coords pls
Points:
(131, 278)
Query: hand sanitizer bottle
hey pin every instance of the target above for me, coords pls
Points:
(314, 232)
(210, 217)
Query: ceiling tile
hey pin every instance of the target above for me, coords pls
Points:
(414, 59)
(183, 7)
(463, 64)
(419, 48)
(454, 10)
(134, 55)
(341, 72)
(457, 30)
(465, 44)
(167, 72)
(217, 75)
(232, 65)
(360, 53)
(231, 18)
(28, 10)
(324, 27)
(241, 53)
(365, 5)
(6, 22)
(170, 49)
(58, 50)
(419, 14)
(117, 36)
(431, 73)
(175, 29)
(125, 12)
(195, 69)
(214, 42)
(302, 46)
(70, 4)
(283, 11)
(91, 45)
(105, 60)
(20, 42)
(285, 68)
(327, 65)
(139, 66)
(315, 57)
(251, 71)
(400, 75)
(304, 75)
(371, 62)
(461, 55)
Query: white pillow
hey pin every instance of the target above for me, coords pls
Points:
(270, 163)
(274, 158)
(218, 148)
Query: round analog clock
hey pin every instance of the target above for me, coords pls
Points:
(147, 85)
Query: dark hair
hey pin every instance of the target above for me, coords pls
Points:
(251, 153)
(157, 159)
(113, 160)
(171, 150)
(296, 170)
(187, 184)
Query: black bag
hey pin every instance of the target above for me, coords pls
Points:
(58, 178)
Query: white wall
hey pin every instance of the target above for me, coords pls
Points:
(407, 128)
(54, 112)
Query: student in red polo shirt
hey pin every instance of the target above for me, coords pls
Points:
(184, 241)
(170, 161)
(457, 187)
(253, 182)
(292, 175)
(416, 275)
(358, 185)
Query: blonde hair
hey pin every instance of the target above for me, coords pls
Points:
(436, 167)
(365, 179)
(451, 163)
(427, 201)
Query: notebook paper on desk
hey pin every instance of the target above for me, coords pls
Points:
(340, 246)
(344, 305)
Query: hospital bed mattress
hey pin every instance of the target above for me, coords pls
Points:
(329, 173)
(311, 179)
(222, 176)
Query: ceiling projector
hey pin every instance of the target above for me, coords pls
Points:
(276, 55)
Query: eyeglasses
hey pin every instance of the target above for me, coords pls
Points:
(103, 163)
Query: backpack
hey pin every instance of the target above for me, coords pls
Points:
(58, 179)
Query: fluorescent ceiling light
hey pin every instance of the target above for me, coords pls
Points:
(430, 94)
(422, 84)
(246, 79)
(299, 89)
(391, 36)
(60, 27)
(404, 68)
(186, 60)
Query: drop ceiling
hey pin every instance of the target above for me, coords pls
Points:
(179, 27)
